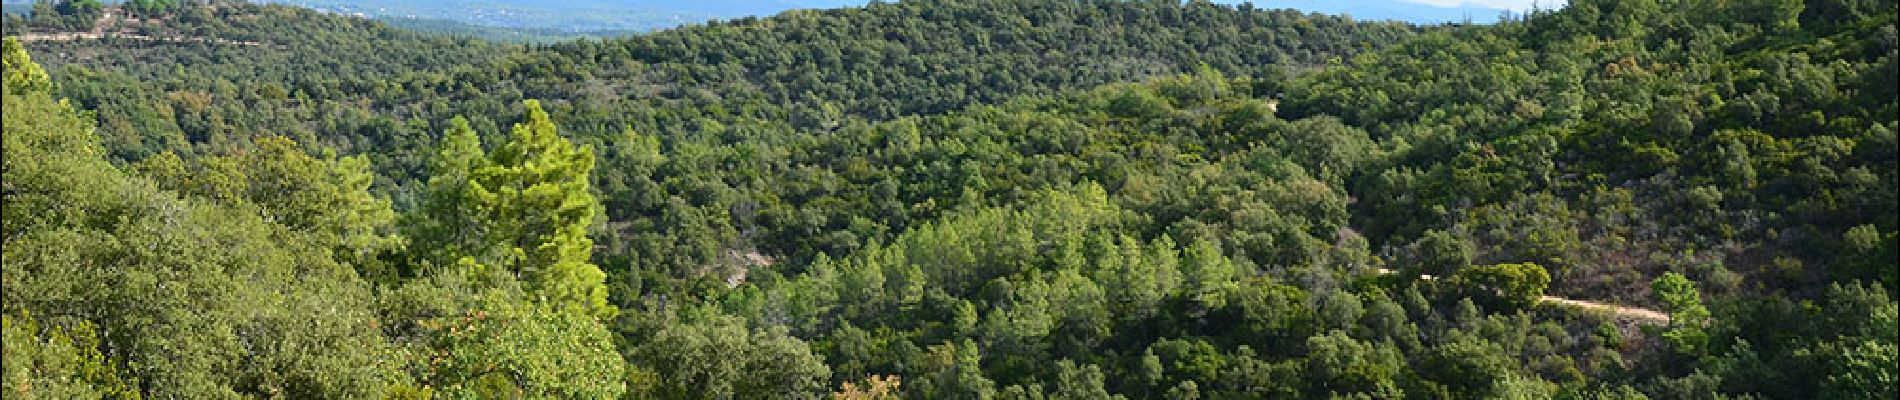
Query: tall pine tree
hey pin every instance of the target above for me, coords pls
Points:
(524, 207)
(445, 224)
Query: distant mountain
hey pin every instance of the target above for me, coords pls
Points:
(598, 16)
(16, 8)
(566, 16)
(1416, 13)
(567, 19)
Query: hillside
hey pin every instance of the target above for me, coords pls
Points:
(963, 199)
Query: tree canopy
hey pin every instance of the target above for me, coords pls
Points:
(958, 199)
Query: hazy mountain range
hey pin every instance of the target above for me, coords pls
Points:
(637, 15)
(559, 19)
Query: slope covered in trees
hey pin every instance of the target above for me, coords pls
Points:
(764, 83)
(950, 199)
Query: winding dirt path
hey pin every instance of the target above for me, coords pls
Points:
(1634, 313)
(1640, 315)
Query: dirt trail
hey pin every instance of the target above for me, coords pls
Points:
(109, 18)
(1641, 315)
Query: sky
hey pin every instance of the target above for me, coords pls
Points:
(1513, 5)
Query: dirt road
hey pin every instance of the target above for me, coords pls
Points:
(1641, 315)
(1638, 314)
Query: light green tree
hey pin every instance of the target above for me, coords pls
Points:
(1687, 316)
(508, 348)
(525, 207)
(1208, 275)
(57, 363)
(22, 74)
(444, 226)
(328, 197)
(722, 358)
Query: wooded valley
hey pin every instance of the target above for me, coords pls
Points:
(957, 199)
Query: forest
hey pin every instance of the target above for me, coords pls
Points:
(960, 199)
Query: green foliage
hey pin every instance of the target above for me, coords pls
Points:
(526, 207)
(1340, 366)
(508, 347)
(1871, 255)
(1687, 315)
(1511, 286)
(1858, 370)
(22, 74)
(77, 7)
(1014, 199)
(444, 226)
(59, 363)
(951, 371)
(534, 198)
(1439, 254)
(208, 300)
(328, 196)
(722, 358)
(151, 7)
(54, 172)
(1467, 368)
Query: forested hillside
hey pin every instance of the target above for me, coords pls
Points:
(717, 90)
(960, 199)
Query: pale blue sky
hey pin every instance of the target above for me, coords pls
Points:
(1515, 5)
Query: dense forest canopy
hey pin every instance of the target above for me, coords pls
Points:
(957, 199)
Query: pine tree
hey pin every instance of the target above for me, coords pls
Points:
(445, 225)
(1209, 276)
(535, 197)
(525, 207)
